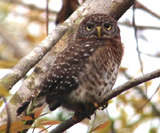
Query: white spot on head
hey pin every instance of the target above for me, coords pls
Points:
(61, 82)
(60, 87)
(91, 50)
(68, 64)
(57, 67)
(65, 69)
(87, 45)
(67, 77)
(55, 81)
(69, 68)
(56, 87)
(75, 59)
(82, 50)
(86, 55)
(72, 47)
(50, 86)
(62, 63)
(75, 53)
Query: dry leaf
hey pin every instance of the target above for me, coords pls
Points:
(44, 121)
(50, 122)
(37, 111)
(15, 126)
(27, 118)
(102, 126)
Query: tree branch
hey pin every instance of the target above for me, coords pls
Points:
(130, 84)
(108, 96)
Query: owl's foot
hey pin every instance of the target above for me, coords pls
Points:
(103, 107)
(87, 111)
(95, 105)
(86, 114)
(75, 117)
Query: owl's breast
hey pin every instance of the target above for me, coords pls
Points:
(98, 77)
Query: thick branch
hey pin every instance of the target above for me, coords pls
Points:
(108, 96)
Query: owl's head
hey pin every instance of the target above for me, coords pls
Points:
(98, 26)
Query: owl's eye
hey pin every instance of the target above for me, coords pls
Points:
(89, 27)
(107, 26)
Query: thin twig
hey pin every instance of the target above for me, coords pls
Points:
(141, 6)
(148, 100)
(136, 38)
(47, 16)
(144, 96)
(44, 129)
(8, 116)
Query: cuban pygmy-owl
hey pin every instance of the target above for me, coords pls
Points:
(87, 68)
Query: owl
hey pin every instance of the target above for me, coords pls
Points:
(87, 68)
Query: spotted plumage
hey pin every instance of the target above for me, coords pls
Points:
(88, 67)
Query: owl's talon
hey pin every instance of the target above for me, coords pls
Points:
(103, 107)
(95, 104)
(75, 116)
(89, 117)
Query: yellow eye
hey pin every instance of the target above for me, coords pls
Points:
(89, 27)
(107, 26)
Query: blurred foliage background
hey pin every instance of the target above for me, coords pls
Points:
(23, 25)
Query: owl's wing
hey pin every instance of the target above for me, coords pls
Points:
(62, 77)
(58, 82)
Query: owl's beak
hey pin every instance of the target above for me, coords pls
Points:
(98, 31)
